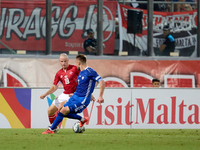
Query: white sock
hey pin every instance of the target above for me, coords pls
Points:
(82, 119)
(50, 129)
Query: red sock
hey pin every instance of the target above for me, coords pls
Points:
(52, 118)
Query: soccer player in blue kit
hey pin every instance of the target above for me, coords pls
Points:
(82, 96)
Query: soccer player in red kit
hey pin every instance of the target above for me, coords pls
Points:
(66, 76)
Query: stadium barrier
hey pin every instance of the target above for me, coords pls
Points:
(135, 108)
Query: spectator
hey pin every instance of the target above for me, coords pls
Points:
(169, 44)
(195, 5)
(167, 7)
(90, 45)
(182, 7)
(157, 7)
(189, 7)
(160, 6)
(155, 83)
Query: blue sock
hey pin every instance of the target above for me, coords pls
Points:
(57, 121)
(73, 116)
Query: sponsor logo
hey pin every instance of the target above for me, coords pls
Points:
(140, 111)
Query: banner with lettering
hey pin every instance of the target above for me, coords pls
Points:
(23, 25)
(183, 29)
(144, 108)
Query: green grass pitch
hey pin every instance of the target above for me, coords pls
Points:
(101, 139)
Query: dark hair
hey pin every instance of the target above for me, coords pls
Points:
(90, 31)
(82, 58)
(155, 80)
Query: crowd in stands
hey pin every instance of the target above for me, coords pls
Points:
(161, 6)
(165, 7)
(157, 7)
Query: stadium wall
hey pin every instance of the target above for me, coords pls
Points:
(135, 108)
(121, 72)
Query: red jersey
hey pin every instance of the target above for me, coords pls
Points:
(67, 78)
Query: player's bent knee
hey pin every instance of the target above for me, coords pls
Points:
(65, 110)
(50, 113)
(51, 110)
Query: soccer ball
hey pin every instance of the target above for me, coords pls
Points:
(78, 129)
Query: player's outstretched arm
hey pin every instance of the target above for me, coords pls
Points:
(51, 90)
(102, 87)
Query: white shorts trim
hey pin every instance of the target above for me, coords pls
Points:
(62, 97)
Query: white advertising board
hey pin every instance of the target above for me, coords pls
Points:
(144, 108)
(165, 108)
(110, 114)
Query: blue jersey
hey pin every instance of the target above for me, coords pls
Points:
(86, 82)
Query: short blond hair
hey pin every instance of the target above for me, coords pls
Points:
(82, 58)
(63, 55)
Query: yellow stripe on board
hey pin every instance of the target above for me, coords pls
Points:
(9, 114)
(64, 122)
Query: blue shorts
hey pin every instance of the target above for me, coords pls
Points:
(76, 104)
